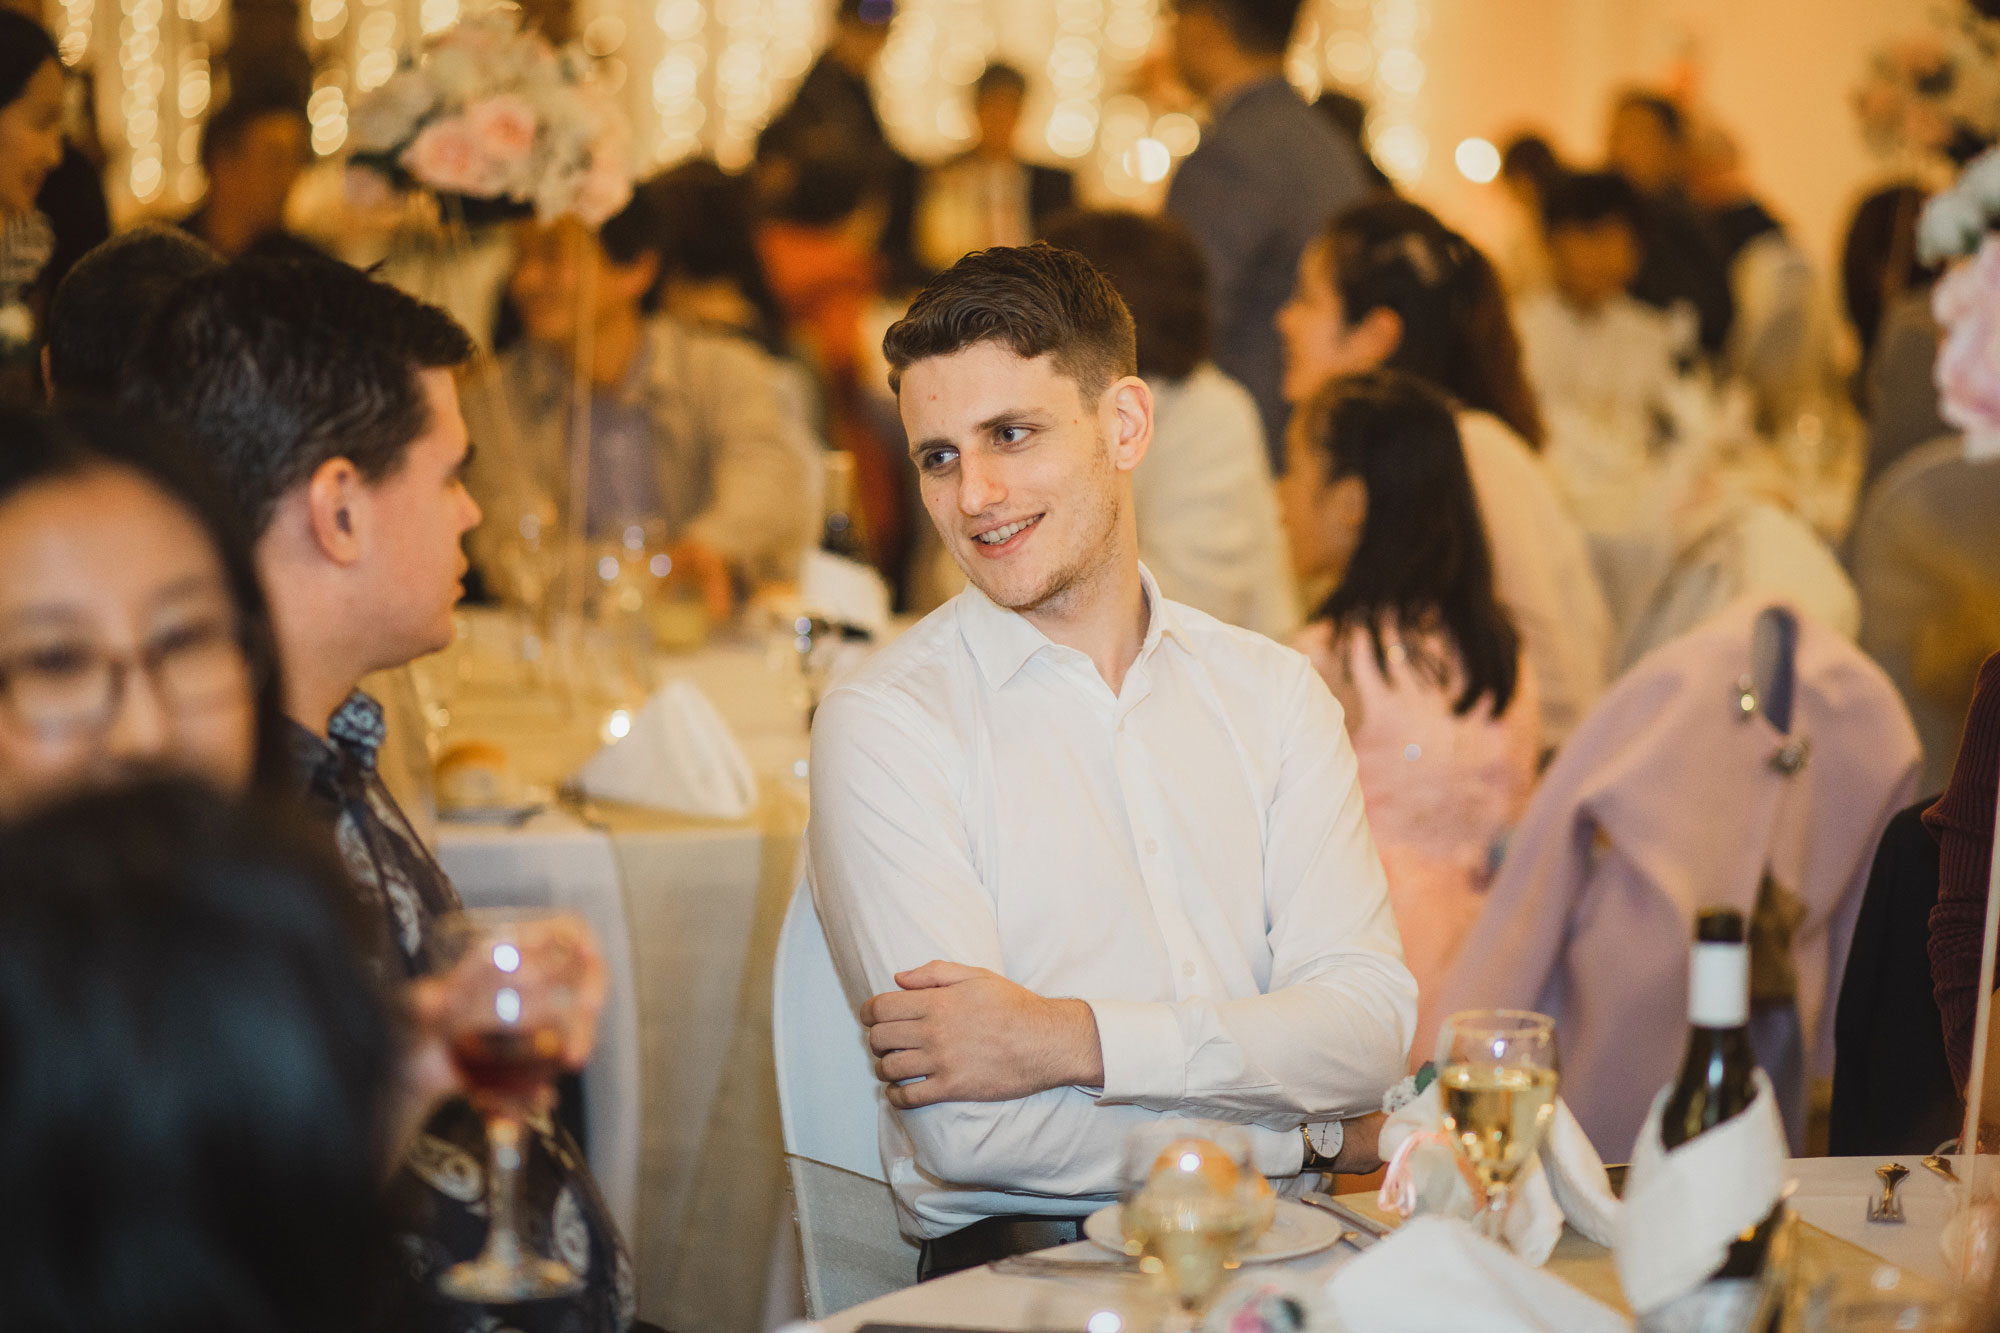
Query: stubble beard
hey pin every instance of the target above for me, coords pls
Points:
(1070, 582)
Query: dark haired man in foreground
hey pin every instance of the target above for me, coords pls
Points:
(325, 401)
(105, 303)
(1062, 785)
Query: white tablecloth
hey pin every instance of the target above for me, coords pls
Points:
(680, 1100)
(1832, 1195)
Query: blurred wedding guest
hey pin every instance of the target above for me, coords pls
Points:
(134, 638)
(196, 1076)
(835, 99)
(987, 195)
(326, 403)
(687, 429)
(102, 308)
(1528, 167)
(1648, 145)
(1888, 295)
(1388, 285)
(712, 276)
(1781, 339)
(1061, 744)
(1599, 360)
(1207, 513)
(1267, 175)
(253, 153)
(818, 243)
(1962, 823)
(31, 144)
(1415, 645)
(1879, 264)
(1349, 114)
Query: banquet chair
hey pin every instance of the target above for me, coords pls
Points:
(1926, 559)
(1750, 763)
(828, 1101)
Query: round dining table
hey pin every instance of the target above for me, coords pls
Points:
(1830, 1197)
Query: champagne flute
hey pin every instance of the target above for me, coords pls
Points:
(1184, 1206)
(1497, 1074)
(517, 986)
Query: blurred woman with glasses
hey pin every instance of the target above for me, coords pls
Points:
(133, 634)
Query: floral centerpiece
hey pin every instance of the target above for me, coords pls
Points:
(499, 120)
(1936, 94)
(1957, 225)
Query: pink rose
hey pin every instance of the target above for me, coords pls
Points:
(1967, 304)
(503, 126)
(446, 155)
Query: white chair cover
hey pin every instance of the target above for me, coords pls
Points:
(829, 1103)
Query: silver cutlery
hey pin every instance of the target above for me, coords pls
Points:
(1888, 1208)
(1942, 1167)
(1363, 1230)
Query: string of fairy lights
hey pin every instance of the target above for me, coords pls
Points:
(704, 76)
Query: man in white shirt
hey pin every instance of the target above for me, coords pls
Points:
(1084, 856)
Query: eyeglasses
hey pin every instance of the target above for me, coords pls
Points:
(69, 686)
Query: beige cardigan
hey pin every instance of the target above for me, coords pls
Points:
(739, 467)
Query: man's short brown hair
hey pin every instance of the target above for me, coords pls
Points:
(1035, 300)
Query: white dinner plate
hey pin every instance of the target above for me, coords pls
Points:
(1296, 1230)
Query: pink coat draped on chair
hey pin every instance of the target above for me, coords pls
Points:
(1441, 788)
(1670, 797)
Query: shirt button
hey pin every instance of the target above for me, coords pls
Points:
(1187, 969)
(1151, 846)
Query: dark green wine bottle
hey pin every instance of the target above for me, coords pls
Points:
(1715, 1081)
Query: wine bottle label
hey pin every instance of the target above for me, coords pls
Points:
(1719, 986)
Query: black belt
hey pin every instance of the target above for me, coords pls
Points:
(993, 1238)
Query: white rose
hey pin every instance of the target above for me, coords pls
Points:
(1981, 180)
(387, 117)
(1951, 225)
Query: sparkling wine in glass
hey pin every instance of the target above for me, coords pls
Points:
(513, 980)
(1497, 1076)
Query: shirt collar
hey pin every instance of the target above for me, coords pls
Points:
(1002, 641)
(356, 729)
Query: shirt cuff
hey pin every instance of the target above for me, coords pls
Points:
(1276, 1152)
(1140, 1042)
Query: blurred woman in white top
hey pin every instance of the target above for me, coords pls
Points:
(1388, 285)
(1208, 517)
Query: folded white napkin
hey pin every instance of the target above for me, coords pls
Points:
(1435, 1275)
(1564, 1182)
(846, 592)
(1682, 1208)
(679, 755)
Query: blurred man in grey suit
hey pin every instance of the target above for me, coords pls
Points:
(1269, 173)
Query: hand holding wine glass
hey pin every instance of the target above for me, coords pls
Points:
(1497, 1075)
(516, 1006)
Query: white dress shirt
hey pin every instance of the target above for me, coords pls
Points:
(1189, 856)
(1208, 514)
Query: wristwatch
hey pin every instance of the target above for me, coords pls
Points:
(1323, 1142)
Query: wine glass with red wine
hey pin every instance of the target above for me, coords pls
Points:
(514, 980)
